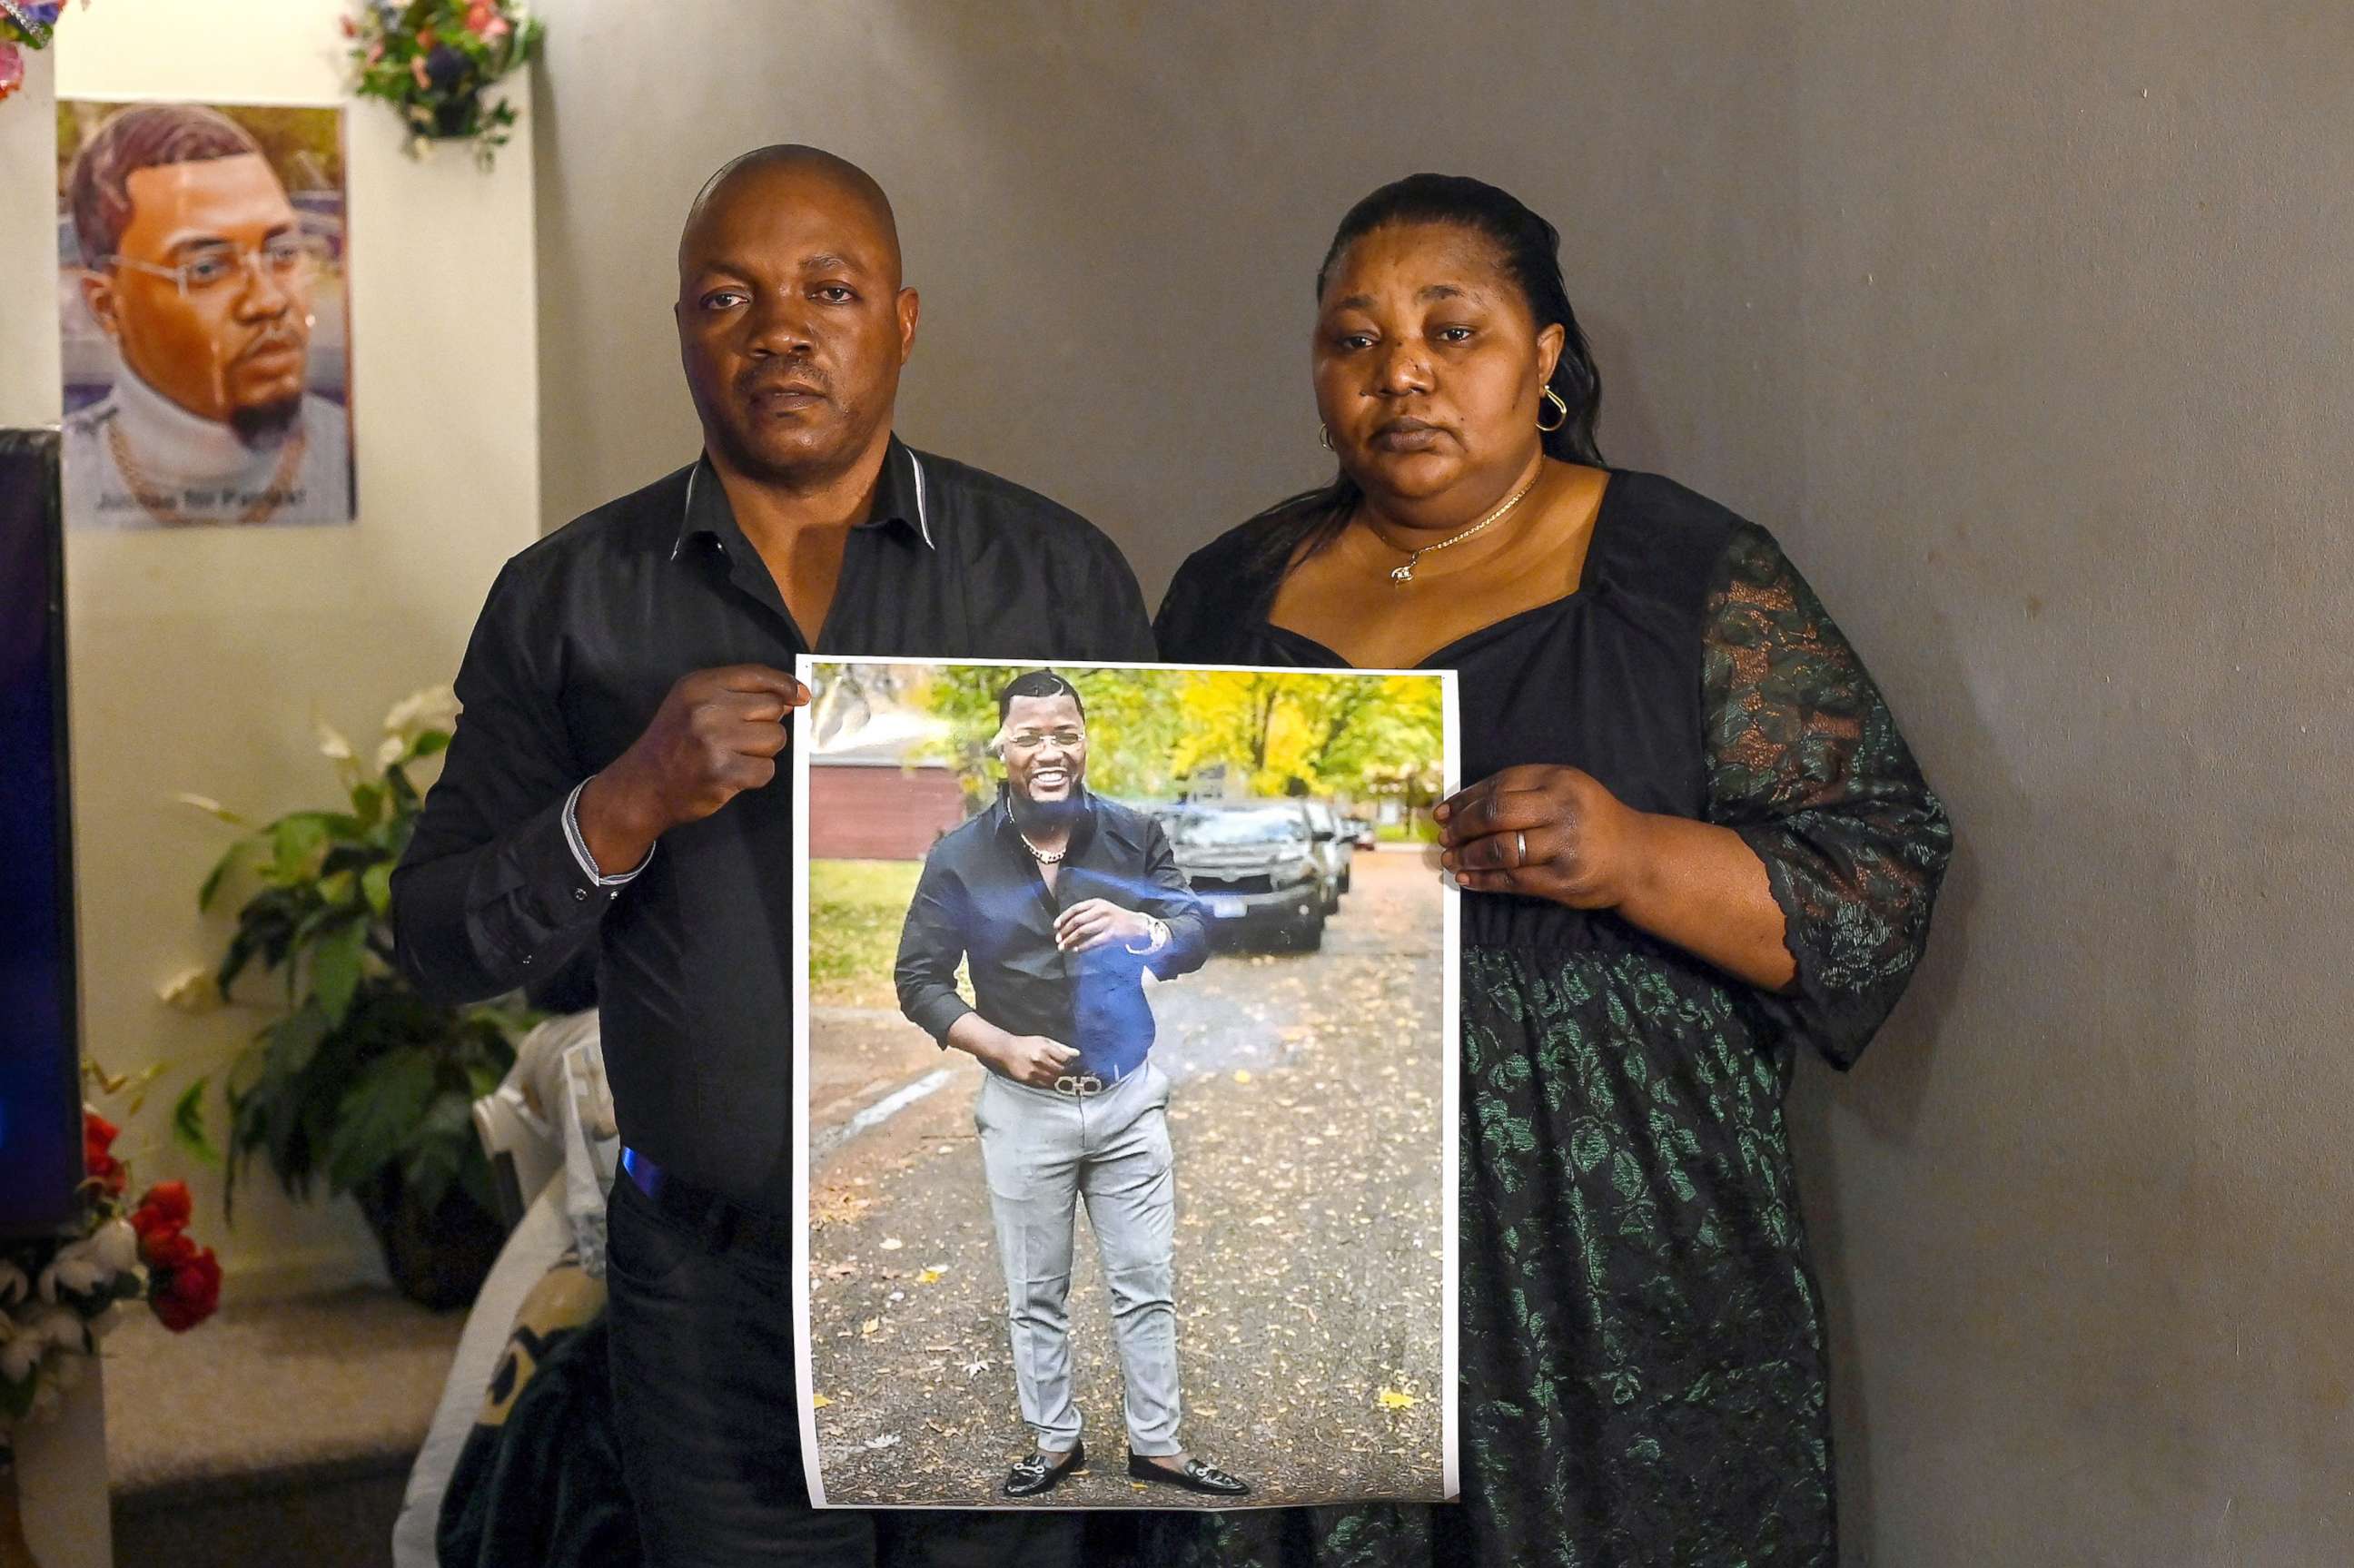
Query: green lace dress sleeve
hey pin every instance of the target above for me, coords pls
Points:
(1806, 763)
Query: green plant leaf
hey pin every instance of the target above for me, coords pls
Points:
(336, 970)
(378, 1118)
(429, 743)
(376, 882)
(229, 857)
(188, 1123)
(300, 842)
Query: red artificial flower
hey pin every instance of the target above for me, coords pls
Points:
(425, 38)
(171, 1201)
(187, 1295)
(98, 1136)
(168, 1249)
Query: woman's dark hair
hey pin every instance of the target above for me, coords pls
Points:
(1529, 251)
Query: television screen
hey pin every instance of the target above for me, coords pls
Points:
(40, 1096)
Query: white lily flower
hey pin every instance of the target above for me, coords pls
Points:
(332, 743)
(116, 1245)
(191, 990)
(435, 707)
(390, 752)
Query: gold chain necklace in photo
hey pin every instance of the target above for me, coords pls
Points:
(1404, 574)
(141, 487)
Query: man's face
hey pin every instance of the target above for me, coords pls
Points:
(791, 323)
(1045, 749)
(232, 346)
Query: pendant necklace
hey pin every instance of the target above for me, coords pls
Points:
(1404, 574)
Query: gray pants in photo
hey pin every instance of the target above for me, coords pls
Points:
(1044, 1152)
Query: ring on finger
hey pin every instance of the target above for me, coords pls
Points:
(1520, 847)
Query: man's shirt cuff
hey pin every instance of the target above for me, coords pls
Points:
(580, 845)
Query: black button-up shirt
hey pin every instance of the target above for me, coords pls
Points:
(583, 635)
(982, 896)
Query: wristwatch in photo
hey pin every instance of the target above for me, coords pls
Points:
(1156, 936)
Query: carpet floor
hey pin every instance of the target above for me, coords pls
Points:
(280, 1432)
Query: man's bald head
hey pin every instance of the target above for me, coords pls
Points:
(792, 318)
(772, 172)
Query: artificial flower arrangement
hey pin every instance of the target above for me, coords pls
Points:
(61, 1294)
(433, 59)
(23, 25)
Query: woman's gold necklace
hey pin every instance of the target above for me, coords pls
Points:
(1404, 574)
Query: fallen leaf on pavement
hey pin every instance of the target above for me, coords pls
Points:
(819, 1402)
(1394, 1399)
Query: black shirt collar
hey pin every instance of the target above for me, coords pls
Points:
(901, 502)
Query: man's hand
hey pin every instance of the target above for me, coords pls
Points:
(716, 735)
(1034, 1059)
(1092, 922)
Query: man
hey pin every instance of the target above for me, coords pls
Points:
(197, 271)
(1063, 902)
(612, 780)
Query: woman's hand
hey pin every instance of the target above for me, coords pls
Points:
(1542, 830)
(1556, 832)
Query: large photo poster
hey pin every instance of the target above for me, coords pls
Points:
(1125, 1050)
(202, 315)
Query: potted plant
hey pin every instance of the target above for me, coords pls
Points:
(357, 1081)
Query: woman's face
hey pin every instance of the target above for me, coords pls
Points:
(1428, 364)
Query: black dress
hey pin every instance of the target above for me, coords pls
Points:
(1642, 1341)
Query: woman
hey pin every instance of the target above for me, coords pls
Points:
(1693, 843)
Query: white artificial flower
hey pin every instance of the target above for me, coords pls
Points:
(14, 1285)
(76, 1267)
(64, 1330)
(20, 1354)
(116, 1244)
(435, 707)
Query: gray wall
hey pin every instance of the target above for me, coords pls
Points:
(2024, 325)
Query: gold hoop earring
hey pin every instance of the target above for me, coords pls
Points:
(1324, 438)
(1555, 399)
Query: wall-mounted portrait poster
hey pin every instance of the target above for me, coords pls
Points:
(201, 262)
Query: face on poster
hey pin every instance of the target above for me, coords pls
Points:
(202, 306)
(1126, 1046)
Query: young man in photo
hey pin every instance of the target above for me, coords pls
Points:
(1062, 901)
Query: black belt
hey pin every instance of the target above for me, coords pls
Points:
(722, 1224)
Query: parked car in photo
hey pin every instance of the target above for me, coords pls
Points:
(1256, 868)
(1335, 850)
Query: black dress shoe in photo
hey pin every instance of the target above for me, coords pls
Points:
(1195, 1477)
(1038, 1474)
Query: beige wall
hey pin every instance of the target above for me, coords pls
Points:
(199, 656)
(2024, 324)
